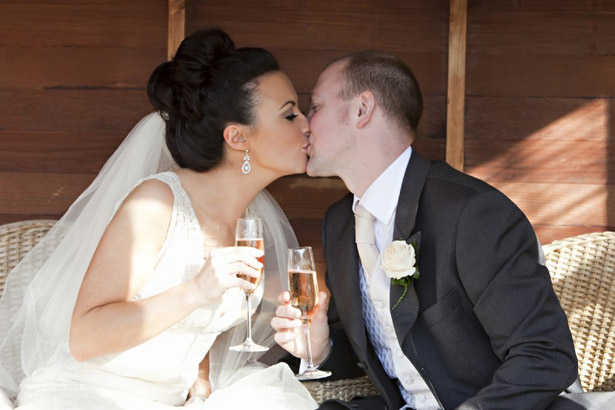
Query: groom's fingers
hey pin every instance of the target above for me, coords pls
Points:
(323, 305)
(284, 298)
(285, 324)
(283, 338)
(287, 311)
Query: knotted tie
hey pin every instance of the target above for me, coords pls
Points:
(364, 236)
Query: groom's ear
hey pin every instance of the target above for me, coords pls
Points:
(364, 109)
(234, 135)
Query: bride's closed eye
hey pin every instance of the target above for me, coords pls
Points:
(291, 117)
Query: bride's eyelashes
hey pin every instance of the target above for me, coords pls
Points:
(291, 117)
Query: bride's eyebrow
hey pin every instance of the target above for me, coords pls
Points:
(292, 103)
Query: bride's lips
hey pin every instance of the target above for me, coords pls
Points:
(306, 148)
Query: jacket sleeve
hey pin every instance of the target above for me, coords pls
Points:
(513, 298)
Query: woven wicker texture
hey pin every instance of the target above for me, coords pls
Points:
(583, 274)
(341, 389)
(16, 239)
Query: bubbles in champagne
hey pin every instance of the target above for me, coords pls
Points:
(303, 291)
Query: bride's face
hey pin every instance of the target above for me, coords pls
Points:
(278, 141)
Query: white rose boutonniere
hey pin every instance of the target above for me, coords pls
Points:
(399, 262)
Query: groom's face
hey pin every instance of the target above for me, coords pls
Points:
(329, 124)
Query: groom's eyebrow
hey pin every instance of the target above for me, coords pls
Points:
(291, 102)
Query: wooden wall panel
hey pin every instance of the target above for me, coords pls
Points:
(542, 75)
(90, 25)
(56, 151)
(72, 86)
(71, 109)
(538, 117)
(571, 162)
(540, 110)
(552, 32)
(76, 67)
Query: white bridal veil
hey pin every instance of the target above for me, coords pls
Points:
(48, 279)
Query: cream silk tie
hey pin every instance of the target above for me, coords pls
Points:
(364, 236)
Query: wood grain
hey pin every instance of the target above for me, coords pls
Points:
(338, 28)
(56, 152)
(78, 67)
(549, 233)
(89, 25)
(546, 76)
(176, 26)
(455, 109)
(72, 110)
(500, 117)
(544, 161)
(548, 5)
(552, 32)
(40, 193)
(563, 204)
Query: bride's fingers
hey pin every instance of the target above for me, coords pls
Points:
(239, 282)
(249, 258)
(238, 268)
(230, 250)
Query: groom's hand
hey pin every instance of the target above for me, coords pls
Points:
(290, 334)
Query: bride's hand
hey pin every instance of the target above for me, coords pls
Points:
(221, 271)
(287, 324)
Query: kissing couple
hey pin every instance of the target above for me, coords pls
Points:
(134, 299)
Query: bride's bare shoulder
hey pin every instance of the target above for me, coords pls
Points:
(150, 201)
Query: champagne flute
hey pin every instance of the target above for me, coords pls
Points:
(303, 284)
(249, 232)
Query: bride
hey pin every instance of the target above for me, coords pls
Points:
(133, 297)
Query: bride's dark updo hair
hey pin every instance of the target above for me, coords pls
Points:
(208, 84)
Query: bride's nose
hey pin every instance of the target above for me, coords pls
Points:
(305, 126)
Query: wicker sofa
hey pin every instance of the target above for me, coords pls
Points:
(582, 270)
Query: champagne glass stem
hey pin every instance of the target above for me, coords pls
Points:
(306, 323)
(248, 305)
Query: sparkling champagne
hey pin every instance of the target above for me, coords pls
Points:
(303, 291)
(258, 244)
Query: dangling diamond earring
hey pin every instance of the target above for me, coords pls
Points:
(246, 167)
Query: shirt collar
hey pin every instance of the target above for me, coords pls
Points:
(380, 198)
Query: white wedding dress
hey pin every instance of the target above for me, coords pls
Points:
(158, 373)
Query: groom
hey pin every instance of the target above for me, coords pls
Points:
(470, 320)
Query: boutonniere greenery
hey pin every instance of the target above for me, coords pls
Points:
(399, 262)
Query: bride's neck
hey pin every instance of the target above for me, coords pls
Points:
(224, 192)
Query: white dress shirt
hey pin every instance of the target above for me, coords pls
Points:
(380, 199)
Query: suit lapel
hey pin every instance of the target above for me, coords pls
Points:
(346, 280)
(405, 314)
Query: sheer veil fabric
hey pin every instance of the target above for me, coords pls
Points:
(48, 279)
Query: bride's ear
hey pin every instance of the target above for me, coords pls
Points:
(234, 135)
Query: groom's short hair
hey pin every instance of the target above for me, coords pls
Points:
(390, 80)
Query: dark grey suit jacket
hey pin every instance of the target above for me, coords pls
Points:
(482, 323)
